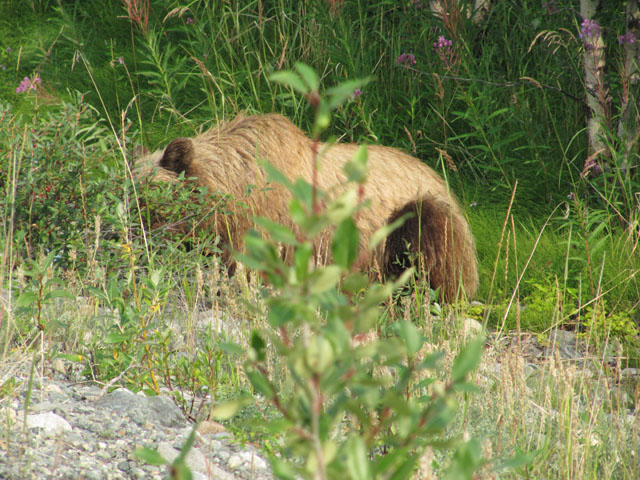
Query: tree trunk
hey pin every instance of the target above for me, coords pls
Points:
(442, 8)
(597, 91)
(628, 123)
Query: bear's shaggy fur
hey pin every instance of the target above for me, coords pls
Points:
(224, 159)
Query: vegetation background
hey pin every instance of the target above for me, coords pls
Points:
(496, 99)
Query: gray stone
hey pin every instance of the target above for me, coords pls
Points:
(141, 409)
(196, 461)
(472, 328)
(166, 412)
(49, 422)
(630, 373)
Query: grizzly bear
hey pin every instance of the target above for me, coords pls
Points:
(224, 159)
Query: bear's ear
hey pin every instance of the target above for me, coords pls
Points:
(177, 156)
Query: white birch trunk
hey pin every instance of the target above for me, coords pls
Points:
(441, 8)
(628, 123)
(597, 92)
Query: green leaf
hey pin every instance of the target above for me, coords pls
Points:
(357, 459)
(299, 211)
(258, 346)
(26, 299)
(232, 348)
(393, 461)
(226, 410)
(465, 462)
(466, 387)
(278, 232)
(343, 207)
(410, 336)
(260, 383)
(345, 243)
(149, 456)
(467, 360)
(291, 80)
(322, 119)
(338, 94)
(431, 361)
(250, 262)
(309, 76)
(355, 282)
(303, 191)
(282, 469)
(406, 469)
(115, 338)
(384, 231)
(71, 357)
(281, 312)
(98, 293)
(274, 174)
(181, 471)
(258, 248)
(520, 459)
(301, 260)
(155, 278)
(325, 278)
(48, 261)
(356, 168)
(58, 293)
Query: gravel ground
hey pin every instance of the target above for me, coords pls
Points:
(77, 431)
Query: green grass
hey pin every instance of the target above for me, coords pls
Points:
(506, 115)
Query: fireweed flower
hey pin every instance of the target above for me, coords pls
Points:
(406, 59)
(628, 37)
(447, 54)
(589, 33)
(356, 93)
(27, 84)
(589, 29)
(442, 43)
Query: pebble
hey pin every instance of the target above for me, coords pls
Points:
(74, 432)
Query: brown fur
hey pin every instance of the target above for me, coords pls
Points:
(224, 159)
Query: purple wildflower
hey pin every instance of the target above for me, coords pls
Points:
(27, 84)
(442, 43)
(9, 50)
(406, 59)
(589, 29)
(190, 20)
(447, 54)
(628, 37)
(356, 93)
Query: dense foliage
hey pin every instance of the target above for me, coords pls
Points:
(495, 102)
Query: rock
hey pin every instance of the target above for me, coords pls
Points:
(196, 461)
(101, 436)
(472, 328)
(49, 422)
(166, 412)
(142, 409)
(630, 373)
(210, 427)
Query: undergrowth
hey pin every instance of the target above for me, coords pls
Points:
(494, 106)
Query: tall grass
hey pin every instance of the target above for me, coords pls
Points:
(499, 113)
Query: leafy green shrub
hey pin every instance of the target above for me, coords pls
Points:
(58, 172)
(366, 408)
